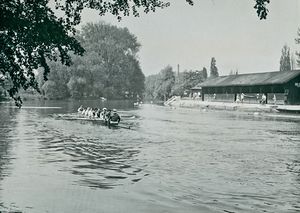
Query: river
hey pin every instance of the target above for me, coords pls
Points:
(170, 160)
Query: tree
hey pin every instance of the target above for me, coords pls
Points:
(111, 60)
(51, 90)
(159, 86)
(213, 68)
(156, 84)
(204, 73)
(77, 86)
(151, 85)
(2, 87)
(167, 80)
(192, 78)
(285, 59)
(232, 72)
(293, 62)
(31, 32)
(298, 42)
(109, 67)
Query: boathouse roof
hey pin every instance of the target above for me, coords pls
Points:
(250, 79)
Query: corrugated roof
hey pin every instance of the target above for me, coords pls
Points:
(251, 79)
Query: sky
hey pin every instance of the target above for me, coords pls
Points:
(228, 30)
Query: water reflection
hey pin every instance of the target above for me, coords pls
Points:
(7, 123)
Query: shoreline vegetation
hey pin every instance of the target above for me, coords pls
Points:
(109, 68)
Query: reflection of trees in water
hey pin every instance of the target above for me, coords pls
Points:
(97, 164)
(7, 124)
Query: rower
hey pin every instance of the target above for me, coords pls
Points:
(98, 112)
(94, 112)
(91, 113)
(87, 112)
(80, 109)
(103, 113)
(107, 115)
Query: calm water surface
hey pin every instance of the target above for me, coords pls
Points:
(171, 160)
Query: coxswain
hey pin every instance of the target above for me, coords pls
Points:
(115, 116)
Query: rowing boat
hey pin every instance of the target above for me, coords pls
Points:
(289, 109)
(102, 121)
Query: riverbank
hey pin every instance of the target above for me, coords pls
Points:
(198, 104)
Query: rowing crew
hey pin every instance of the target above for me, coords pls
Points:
(104, 114)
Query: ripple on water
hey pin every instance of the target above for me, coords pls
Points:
(96, 162)
(224, 162)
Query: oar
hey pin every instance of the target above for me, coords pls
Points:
(124, 127)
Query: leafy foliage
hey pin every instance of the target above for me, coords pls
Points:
(151, 87)
(165, 84)
(2, 87)
(109, 68)
(167, 80)
(29, 34)
(159, 87)
(261, 8)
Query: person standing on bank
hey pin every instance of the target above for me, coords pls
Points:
(242, 97)
(274, 99)
(263, 99)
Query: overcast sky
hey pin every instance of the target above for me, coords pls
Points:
(228, 30)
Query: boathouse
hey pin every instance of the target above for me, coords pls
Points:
(285, 85)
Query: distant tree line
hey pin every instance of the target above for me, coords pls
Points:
(109, 67)
(167, 83)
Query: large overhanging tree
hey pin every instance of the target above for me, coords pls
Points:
(32, 32)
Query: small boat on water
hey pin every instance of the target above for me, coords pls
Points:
(99, 121)
(289, 109)
(106, 122)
